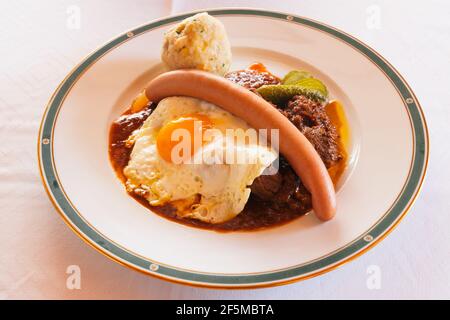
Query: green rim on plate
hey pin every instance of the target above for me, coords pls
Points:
(307, 270)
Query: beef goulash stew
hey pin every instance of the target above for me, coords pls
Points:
(238, 197)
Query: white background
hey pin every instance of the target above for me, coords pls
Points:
(39, 46)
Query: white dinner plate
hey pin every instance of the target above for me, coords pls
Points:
(388, 156)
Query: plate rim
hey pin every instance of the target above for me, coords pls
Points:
(310, 269)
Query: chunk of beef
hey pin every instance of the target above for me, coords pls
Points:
(283, 189)
(310, 118)
(266, 186)
(251, 79)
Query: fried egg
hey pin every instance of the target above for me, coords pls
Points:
(207, 184)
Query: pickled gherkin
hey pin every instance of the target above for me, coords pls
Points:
(292, 77)
(313, 84)
(279, 94)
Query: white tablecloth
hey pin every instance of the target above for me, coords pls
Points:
(39, 45)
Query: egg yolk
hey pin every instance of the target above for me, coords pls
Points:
(173, 133)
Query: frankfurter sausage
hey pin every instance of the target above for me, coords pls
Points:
(259, 114)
